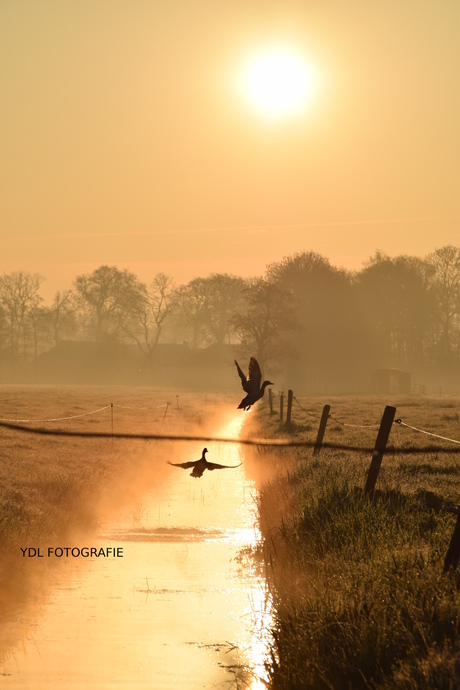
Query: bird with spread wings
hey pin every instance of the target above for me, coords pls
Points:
(199, 466)
(251, 384)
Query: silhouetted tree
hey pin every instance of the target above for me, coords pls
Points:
(266, 321)
(323, 304)
(108, 297)
(207, 306)
(446, 292)
(397, 308)
(37, 329)
(60, 317)
(18, 297)
(148, 313)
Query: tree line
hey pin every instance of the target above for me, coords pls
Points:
(326, 321)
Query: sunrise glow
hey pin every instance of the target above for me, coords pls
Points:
(277, 82)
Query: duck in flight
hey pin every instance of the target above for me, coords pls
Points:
(199, 466)
(251, 384)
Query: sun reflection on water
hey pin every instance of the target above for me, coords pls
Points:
(262, 622)
(260, 603)
(187, 605)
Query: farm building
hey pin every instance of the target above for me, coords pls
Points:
(391, 381)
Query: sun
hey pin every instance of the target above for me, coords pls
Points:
(277, 82)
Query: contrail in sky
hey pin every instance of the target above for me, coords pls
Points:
(254, 228)
(239, 228)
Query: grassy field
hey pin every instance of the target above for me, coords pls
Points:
(359, 594)
(54, 489)
(358, 589)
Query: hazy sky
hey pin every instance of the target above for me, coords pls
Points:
(126, 138)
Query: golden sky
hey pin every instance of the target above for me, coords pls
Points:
(126, 138)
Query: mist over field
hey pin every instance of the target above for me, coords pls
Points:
(392, 327)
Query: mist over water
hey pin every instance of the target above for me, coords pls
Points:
(184, 607)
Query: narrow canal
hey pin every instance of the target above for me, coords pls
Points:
(185, 606)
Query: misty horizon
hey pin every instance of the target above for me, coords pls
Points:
(309, 321)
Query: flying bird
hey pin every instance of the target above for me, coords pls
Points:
(199, 466)
(251, 384)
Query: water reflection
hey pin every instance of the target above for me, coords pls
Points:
(180, 608)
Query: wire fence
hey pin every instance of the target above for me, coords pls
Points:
(396, 421)
(18, 425)
(452, 557)
(378, 450)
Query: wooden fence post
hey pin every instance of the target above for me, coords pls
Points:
(289, 407)
(321, 429)
(270, 400)
(379, 450)
(453, 552)
(164, 416)
(281, 407)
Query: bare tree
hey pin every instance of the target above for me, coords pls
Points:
(446, 288)
(18, 297)
(267, 320)
(107, 297)
(60, 317)
(148, 313)
(37, 327)
(207, 306)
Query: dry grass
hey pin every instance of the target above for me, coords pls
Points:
(360, 597)
(57, 488)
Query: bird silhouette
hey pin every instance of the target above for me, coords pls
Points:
(251, 384)
(199, 466)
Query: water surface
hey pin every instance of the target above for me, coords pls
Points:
(183, 608)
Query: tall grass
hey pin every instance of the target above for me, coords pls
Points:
(361, 600)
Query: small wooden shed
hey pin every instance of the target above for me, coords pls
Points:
(391, 381)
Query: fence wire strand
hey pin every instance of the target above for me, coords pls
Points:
(428, 433)
(310, 414)
(275, 443)
(356, 426)
(84, 414)
(56, 419)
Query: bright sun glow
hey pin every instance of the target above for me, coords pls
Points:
(278, 82)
